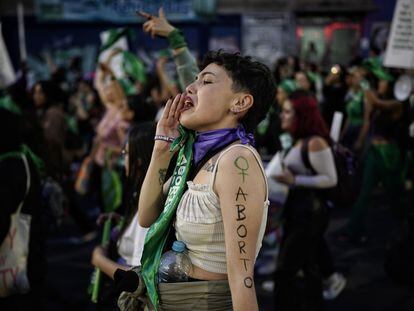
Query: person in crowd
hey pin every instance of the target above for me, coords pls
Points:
(130, 241)
(304, 82)
(311, 54)
(48, 100)
(14, 189)
(385, 160)
(334, 91)
(237, 103)
(357, 111)
(269, 130)
(305, 214)
(87, 109)
(281, 70)
(112, 128)
(284, 89)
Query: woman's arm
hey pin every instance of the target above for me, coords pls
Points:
(241, 189)
(151, 196)
(322, 161)
(103, 71)
(368, 105)
(105, 264)
(186, 64)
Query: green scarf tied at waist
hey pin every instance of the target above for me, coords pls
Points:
(28, 153)
(158, 232)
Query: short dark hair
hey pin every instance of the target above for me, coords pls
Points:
(247, 75)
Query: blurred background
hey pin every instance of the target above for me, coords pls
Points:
(52, 48)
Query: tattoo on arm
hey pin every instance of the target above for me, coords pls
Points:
(241, 230)
(242, 165)
(161, 176)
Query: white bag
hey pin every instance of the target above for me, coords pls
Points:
(15, 249)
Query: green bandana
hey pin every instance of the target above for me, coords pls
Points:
(158, 233)
(289, 86)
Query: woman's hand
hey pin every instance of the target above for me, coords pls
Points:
(169, 122)
(115, 217)
(286, 178)
(156, 25)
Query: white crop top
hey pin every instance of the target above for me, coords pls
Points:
(199, 222)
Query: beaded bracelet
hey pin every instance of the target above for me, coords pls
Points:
(176, 39)
(164, 138)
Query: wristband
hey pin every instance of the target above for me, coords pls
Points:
(164, 138)
(176, 39)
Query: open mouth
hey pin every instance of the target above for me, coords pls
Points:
(188, 103)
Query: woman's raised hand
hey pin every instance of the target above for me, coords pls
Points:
(156, 25)
(169, 122)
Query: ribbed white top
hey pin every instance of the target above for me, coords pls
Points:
(199, 223)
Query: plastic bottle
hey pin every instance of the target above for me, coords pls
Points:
(175, 265)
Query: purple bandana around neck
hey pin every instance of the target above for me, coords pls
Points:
(212, 140)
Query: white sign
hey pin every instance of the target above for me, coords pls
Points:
(400, 48)
(7, 75)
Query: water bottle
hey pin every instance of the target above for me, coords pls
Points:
(175, 265)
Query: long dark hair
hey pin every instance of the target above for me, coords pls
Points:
(141, 143)
(52, 92)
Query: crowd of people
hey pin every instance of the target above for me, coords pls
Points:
(158, 160)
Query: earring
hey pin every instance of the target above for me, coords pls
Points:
(235, 110)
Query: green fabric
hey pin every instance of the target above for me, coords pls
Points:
(383, 163)
(364, 84)
(7, 103)
(374, 64)
(127, 86)
(355, 108)
(165, 53)
(111, 187)
(158, 232)
(263, 126)
(289, 86)
(72, 124)
(134, 67)
(39, 164)
(176, 39)
(312, 76)
(115, 35)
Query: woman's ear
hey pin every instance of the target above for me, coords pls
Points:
(242, 103)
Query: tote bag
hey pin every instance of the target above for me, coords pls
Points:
(15, 249)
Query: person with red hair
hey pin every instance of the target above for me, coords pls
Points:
(305, 215)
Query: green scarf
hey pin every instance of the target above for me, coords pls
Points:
(158, 233)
